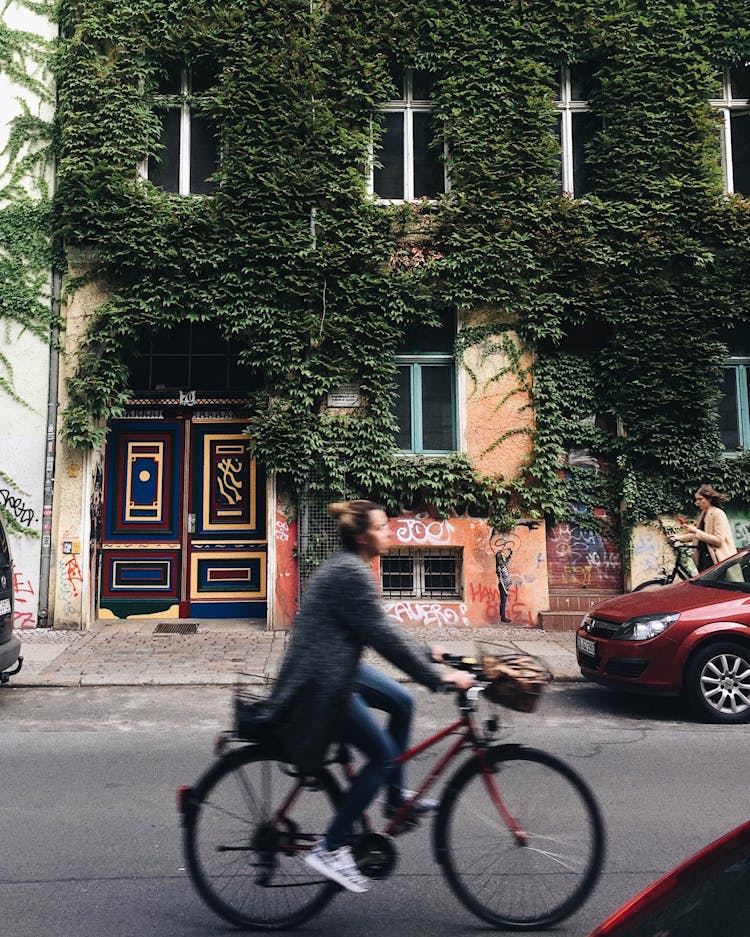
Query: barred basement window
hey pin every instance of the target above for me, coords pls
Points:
(422, 574)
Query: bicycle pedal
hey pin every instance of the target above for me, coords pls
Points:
(405, 826)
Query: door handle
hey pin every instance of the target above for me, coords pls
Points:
(191, 523)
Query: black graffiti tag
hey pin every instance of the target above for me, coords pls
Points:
(17, 506)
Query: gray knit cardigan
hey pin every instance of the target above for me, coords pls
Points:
(341, 614)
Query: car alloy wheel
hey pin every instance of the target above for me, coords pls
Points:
(717, 682)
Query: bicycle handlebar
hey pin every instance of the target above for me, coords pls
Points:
(460, 662)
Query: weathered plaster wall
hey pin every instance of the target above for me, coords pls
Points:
(23, 428)
(480, 605)
(77, 488)
(494, 406)
(285, 584)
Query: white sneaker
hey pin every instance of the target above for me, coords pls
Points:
(422, 806)
(338, 865)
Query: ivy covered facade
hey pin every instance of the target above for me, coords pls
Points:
(483, 262)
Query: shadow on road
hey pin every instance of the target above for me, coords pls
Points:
(591, 698)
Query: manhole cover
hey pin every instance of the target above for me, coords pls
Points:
(176, 627)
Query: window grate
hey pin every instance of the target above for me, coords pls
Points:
(318, 532)
(422, 574)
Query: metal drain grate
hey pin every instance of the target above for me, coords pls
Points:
(176, 627)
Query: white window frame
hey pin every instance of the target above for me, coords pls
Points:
(726, 105)
(419, 590)
(567, 106)
(408, 106)
(180, 100)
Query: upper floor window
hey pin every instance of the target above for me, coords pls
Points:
(733, 105)
(426, 400)
(576, 125)
(188, 154)
(734, 404)
(408, 161)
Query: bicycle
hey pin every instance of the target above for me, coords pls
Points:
(680, 570)
(518, 834)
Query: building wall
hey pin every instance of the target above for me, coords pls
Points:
(488, 409)
(24, 427)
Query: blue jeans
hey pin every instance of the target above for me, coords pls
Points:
(380, 746)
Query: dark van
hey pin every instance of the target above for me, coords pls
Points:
(10, 646)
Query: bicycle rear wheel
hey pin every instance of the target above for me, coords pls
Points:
(512, 885)
(650, 584)
(248, 824)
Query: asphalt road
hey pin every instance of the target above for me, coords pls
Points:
(91, 841)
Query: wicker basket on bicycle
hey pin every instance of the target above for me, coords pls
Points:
(516, 680)
(251, 720)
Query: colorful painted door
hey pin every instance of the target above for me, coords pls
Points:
(184, 532)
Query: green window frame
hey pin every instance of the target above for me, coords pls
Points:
(734, 406)
(425, 402)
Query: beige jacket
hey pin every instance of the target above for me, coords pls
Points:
(717, 533)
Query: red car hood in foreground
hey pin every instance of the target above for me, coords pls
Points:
(706, 896)
(679, 597)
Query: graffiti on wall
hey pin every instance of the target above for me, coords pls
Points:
(582, 559)
(515, 577)
(69, 580)
(428, 615)
(17, 506)
(741, 531)
(24, 605)
(423, 531)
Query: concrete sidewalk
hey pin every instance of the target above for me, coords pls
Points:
(132, 653)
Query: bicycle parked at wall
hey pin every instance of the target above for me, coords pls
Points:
(517, 834)
(683, 568)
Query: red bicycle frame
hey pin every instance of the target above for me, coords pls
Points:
(467, 739)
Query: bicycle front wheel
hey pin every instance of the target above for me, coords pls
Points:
(248, 825)
(542, 875)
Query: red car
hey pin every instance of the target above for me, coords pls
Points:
(691, 638)
(707, 895)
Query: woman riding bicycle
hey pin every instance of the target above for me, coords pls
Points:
(322, 691)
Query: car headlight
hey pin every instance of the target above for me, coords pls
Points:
(646, 626)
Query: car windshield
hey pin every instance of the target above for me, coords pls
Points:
(733, 574)
(716, 904)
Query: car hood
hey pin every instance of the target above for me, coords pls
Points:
(681, 597)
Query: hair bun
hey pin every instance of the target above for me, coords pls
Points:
(339, 508)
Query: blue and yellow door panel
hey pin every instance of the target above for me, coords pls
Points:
(227, 538)
(184, 522)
